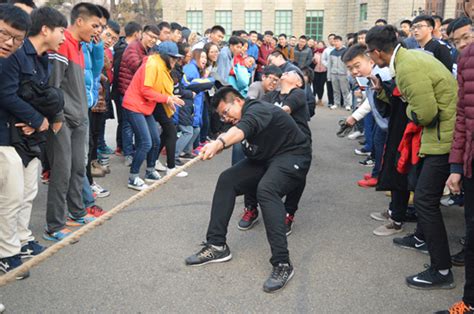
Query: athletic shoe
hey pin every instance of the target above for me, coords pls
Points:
(187, 156)
(10, 263)
(458, 258)
(178, 162)
(410, 217)
(458, 308)
(2, 308)
(333, 107)
(367, 176)
(209, 254)
(362, 152)
(152, 177)
(281, 274)
(451, 200)
(410, 241)
(45, 176)
(137, 184)
(370, 183)
(104, 159)
(380, 216)
(95, 211)
(369, 162)
(77, 222)
(355, 135)
(181, 174)
(348, 108)
(249, 218)
(57, 236)
(160, 167)
(289, 223)
(431, 279)
(128, 161)
(99, 191)
(118, 152)
(388, 229)
(106, 150)
(30, 249)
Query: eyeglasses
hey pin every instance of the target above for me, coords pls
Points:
(6, 36)
(110, 36)
(418, 26)
(224, 114)
(272, 80)
(152, 36)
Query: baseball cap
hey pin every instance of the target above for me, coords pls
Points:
(169, 48)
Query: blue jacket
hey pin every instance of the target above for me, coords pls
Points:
(225, 62)
(25, 64)
(93, 64)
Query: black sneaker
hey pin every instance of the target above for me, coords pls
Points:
(289, 223)
(410, 241)
(430, 279)
(249, 219)
(187, 156)
(369, 162)
(178, 162)
(9, 263)
(279, 277)
(31, 249)
(458, 258)
(209, 254)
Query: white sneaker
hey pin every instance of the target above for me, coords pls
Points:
(333, 107)
(355, 135)
(137, 184)
(181, 174)
(160, 167)
(99, 191)
(348, 108)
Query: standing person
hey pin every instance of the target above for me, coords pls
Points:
(325, 62)
(461, 156)
(22, 59)
(176, 33)
(66, 149)
(151, 84)
(431, 94)
(320, 72)
(285, 48)
(337, 74)
(216, 36)
(263, 53)
(292, 42)
(225, 62)
(215, 125)
(278, 159)
(303, 53)
(165, 32)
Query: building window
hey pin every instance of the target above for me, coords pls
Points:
(253, 21)
(314, 24)
(283, 22)
(363, 12)
(224, 19)
(194, 21)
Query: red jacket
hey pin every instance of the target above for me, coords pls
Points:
(263, 53)
(462, 149)
(409, 148)
(131, 60)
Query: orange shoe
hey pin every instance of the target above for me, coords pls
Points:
(458, 308)
(367, 176)
(370, 183)
(95, 211)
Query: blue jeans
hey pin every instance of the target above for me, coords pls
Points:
(87, 196)
(185, 138)
(147, 140)
(189, 148)
(379, 136)
(237, 153)
(368, 132)
(127, 133)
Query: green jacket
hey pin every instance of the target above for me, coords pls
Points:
(431, 93)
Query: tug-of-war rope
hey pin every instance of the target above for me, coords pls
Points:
(75, 236)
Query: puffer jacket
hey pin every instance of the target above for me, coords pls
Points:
(462, 150)
(431, 93)
(303, 57)
(131, 60)
(93, 64)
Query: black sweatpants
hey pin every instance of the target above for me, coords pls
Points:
(319, 80)
(434, 171)
(96, 119)
(468, 184)
(272, 180)
(330, 93)
(399, 205)
(168, 135)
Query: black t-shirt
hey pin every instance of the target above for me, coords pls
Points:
(269, 132)
(296, 100)
(440, 52)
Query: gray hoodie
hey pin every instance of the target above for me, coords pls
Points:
(335, 64)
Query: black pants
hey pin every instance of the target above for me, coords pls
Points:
(96, 120)
(434, 171)
(205, 120)
(468, 184)
(330, 93)
(168, 135)
(272, 180)
(399, 205)
(319, 80)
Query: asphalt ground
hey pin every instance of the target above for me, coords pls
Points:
(135, 262)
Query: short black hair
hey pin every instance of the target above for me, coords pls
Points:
(15, 17)
(234, 40)
(362, 32)
(437, 17)
(218, 28)
(226, 94)
(105, 12)
(381, 21)
(447, 21)
(131, 28)
(272, 70)
(383, 38)
(268, 33)
(337, 37)
(458, 23)
(175, 27)
(163, 24)
(29, 3)
(253, 32)
(85, 9)
(152, 28)
(354, 51)
(114, 26)
(292, 36)
(303, 37)
(282, 35)
(332, 34)
(46, 16)
(307, 71)
(277, 53)
(406, 22)
(428, 19)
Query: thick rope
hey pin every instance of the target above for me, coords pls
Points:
(75, 236)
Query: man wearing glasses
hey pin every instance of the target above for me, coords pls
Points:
(278, 158)
(270, 79)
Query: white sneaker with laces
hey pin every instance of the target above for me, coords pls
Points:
(137, 184)
(333, 107)
(99, 191)
(159, 166)
(181, 174)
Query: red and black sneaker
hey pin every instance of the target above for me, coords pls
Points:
(45, 176)
(95, 211)
(249, 218)
(289, 223)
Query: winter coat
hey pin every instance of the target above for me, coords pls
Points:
(93, 63)
(462, 150)
(263, 52)
(224, 63)
(287, 51)
(303, 57)
(131, 60)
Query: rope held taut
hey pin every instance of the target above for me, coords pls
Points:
(75, 236)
